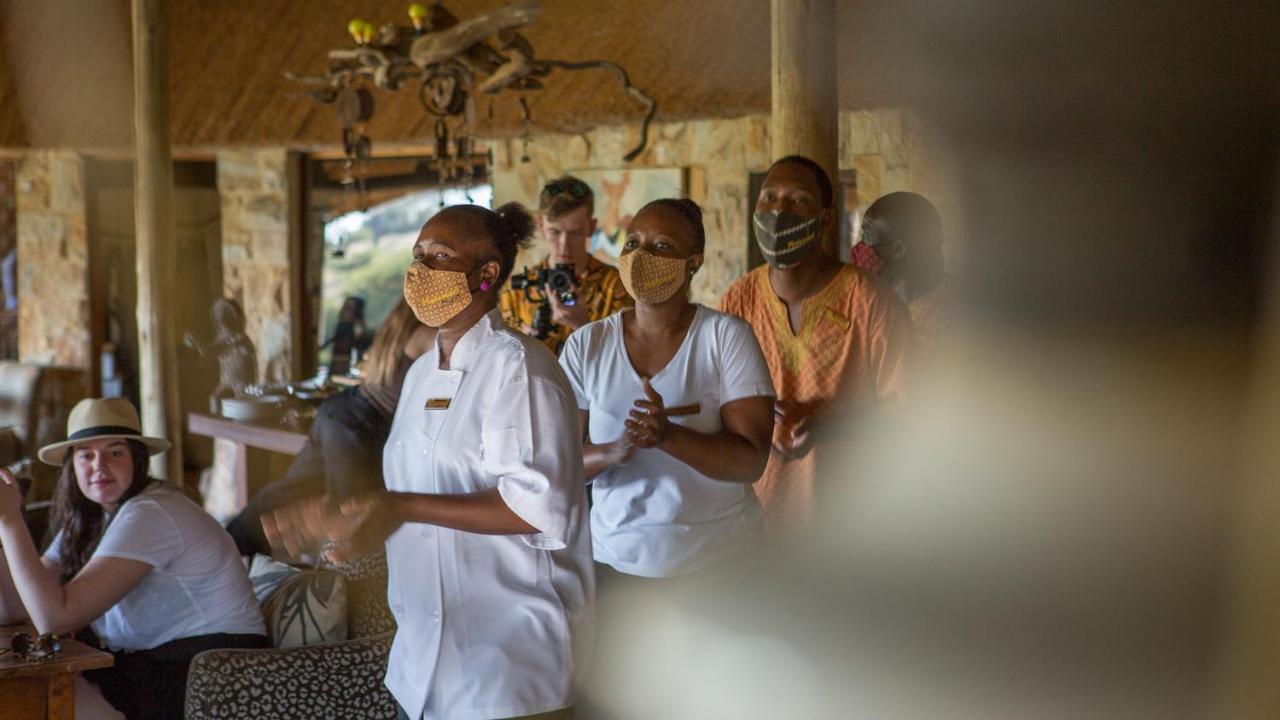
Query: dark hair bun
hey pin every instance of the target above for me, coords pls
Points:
(509, 228)
(515, 225)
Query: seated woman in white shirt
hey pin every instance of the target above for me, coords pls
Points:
(156, 578)
(485, 518)
(677, 405)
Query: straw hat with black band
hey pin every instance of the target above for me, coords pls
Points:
(99, 419)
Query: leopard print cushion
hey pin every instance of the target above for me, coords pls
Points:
(335, 680)
(367, 611)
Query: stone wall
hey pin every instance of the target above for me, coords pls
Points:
(890, 151)
(721, 152)
(53, 307)
(255, 195)
(887, 148)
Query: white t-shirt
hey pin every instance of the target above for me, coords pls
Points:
(653, 515)
(489, 625)
(197, 584)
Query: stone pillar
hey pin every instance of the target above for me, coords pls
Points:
(153, 212)
(803, 68)
(53, 289)
(256, 260)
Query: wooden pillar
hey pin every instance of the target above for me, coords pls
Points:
(153, 212)
(803, 78)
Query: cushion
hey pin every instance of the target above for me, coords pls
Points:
(367, 611)
(302, 607)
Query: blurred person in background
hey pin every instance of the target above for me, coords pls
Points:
(900, 241)
(349, 335)
(834, 337)
(343, 453)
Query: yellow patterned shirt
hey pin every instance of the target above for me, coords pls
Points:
(600, 288)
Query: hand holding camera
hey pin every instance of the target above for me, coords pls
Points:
(555, 290)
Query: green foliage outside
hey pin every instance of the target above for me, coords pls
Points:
(377, 247)
(373, 272)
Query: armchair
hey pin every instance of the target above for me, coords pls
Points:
(336, 679)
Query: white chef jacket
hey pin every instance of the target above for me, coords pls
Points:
(489, 626)
(655, 516)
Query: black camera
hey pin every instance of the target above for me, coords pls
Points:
(560, 279)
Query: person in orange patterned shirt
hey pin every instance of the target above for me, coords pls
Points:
(835, 338)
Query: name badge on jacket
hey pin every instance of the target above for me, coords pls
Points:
(438, 403)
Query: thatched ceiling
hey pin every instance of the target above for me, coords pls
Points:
(64, 68)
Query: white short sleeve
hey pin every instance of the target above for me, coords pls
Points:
(527, 445)
(573, 360)
(142, 531)
(743, 370)
(54, 551)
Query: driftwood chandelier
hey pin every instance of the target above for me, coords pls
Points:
(451, 62)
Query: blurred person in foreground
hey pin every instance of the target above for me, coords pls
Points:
(1075, 515)
(566, 220)
(833, 335)
(484, 518)
(900, 242)
(343, 453)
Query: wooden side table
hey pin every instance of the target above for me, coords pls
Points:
(244, 436)
(44, 689)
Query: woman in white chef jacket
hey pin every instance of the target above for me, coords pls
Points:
(485, 514)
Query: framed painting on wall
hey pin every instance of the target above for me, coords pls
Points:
(619, 194)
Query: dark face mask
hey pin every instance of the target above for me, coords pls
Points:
(785, 237)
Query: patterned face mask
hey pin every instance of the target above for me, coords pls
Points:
(783, 237)
(435, 296)
(649, 278)
(865, 257)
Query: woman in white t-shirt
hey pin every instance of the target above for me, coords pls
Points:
(156, 578)
(678, 410)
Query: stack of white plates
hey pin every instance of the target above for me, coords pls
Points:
(259, 408)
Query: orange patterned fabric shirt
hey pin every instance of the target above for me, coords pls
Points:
(851, 347)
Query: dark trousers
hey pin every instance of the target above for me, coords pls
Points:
(152, 684)
(342, 457)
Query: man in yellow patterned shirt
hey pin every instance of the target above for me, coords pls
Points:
(566, 220)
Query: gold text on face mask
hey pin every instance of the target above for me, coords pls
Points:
(438, 297)
(656, 282)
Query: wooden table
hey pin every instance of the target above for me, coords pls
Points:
(44, 689)
(346, 380)
(246, 435)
